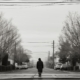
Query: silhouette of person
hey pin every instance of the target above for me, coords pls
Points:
(40, 66)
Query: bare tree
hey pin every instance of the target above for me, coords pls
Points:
(21, 55)
(72, 36)
(10, 42)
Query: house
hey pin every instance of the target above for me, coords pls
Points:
(11, 61)
(56, 60)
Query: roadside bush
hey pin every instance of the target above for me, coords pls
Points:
(7, 68)
(77, 68)
(71, 68)
(13, 67)
(68, 68)
(5, 60)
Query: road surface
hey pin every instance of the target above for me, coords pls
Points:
(42, 79)
(34, 71)
(31, 74)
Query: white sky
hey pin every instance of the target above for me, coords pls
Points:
(39, 24)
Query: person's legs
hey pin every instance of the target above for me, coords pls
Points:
(39, 74)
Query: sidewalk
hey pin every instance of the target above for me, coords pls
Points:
(71, 72)
(56, 76)
(10, 76)
(71, 76)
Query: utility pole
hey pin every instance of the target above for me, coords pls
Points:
(14, 53)
(53, 53)
(48, 55)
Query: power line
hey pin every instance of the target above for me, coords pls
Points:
(39, 52)
(39, 46)
(39, 2)
(38, 42)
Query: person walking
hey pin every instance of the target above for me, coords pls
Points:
(40, 66)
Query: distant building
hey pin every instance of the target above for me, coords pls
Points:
(50, 60)
(56, 60)
(11, 61)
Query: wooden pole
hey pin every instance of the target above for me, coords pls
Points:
(53, 53)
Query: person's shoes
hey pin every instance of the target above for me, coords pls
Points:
(39, 75)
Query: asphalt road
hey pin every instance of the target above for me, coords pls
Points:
(33, 71)
(42, 79)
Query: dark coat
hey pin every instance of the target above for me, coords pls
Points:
(40, 66)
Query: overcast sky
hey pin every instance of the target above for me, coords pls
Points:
(39, 24)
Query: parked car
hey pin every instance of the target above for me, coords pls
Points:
(66, 67)
(24, 66)
(57, 66)
(18, 67)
